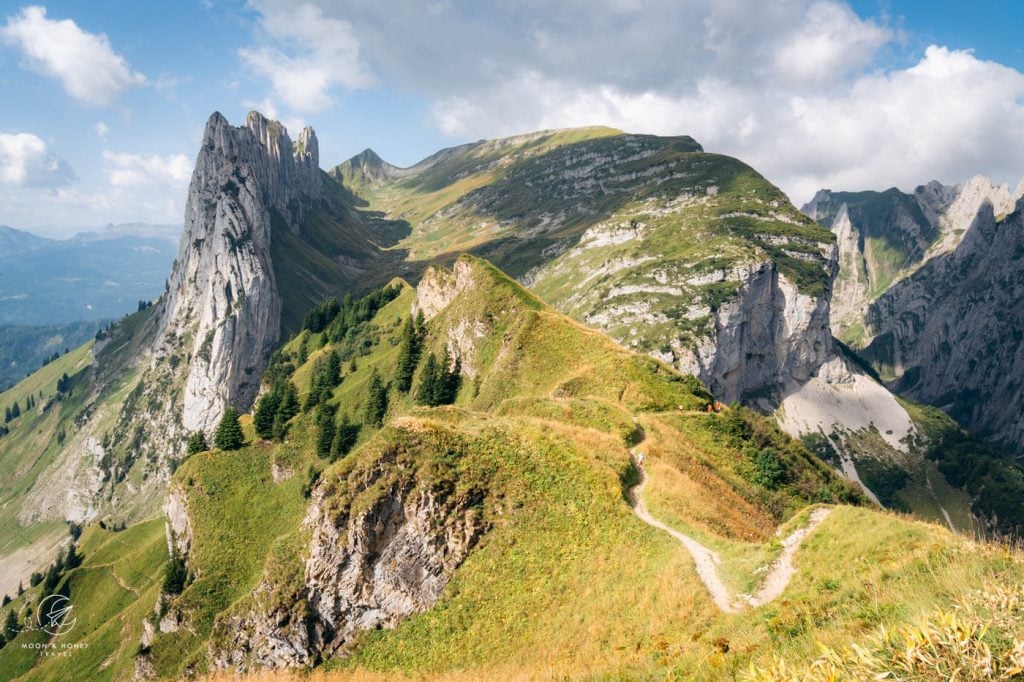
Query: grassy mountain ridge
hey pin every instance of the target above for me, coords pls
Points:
(536, 444)
(649, 239)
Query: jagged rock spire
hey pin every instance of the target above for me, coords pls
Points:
(223, 304)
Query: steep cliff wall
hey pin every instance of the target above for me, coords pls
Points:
(950, 334)
(886, 236)
(223, 300)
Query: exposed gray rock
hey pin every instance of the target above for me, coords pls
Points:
(222, 297)
(951, 332)
(885, 236)
(386, 563)
(179, 526)
(371, 563)
(944, 323)
(769, 336)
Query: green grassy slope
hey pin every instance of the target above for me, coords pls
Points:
(335, 250)
(644, 237)
(113, 590)
(566, 582)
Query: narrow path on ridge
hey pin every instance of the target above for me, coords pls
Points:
(780, 572)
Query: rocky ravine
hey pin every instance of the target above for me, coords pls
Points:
(884, 236)
(941, 322)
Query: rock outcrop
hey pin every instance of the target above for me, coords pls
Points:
(927, 290)
(771, 335)
(885, 236)
(950, 333)
(387, 562)
(223, 301)
(383, 545)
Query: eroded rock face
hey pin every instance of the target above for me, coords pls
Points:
(178, 527)
(388, 562)
(770, 336)
(951, 331)
(222, 297)
(370, 564)
(886, 236)
(439, 287)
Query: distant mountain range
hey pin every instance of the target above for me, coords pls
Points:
(93, 276)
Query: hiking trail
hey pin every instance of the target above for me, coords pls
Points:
(776, 579)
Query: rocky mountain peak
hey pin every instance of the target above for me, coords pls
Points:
(222, 299)
(818, 206)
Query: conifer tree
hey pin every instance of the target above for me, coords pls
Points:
(176, 573)
(197, 443)
(408, 357)
(376, 400)
(73, 559)
(427, 390)
(266, 410)
(229, 434)
(7, 415)
(325, 429)
(421, 326)
(289, 401)
(345, 436)
(11, 626)
(15, 411)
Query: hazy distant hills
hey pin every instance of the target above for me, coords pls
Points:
(92, 276)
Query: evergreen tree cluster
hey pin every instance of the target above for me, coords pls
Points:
(376, 400)
(11, 413)
(229, 434)
(274, 409)
(340, 319)
(176, 573)
(65, 562)
(439, 385)
(279, 369)
(64, 383)
(197, 443)
(326, 376)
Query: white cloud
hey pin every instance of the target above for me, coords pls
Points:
(130, 170)
(102, 130)
(948, 116)
(305, 54)
(25, 161)
(829, 43)
(86, 65)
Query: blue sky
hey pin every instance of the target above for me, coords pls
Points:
(102, 104)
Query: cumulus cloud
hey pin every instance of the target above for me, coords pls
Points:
(26, 161)
(304, 54)
(85, 63)
(131, 170)
(807, 91)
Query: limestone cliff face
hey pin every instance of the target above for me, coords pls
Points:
(769, 337)
(392, 560)
(382, 548)
(928, 287)
(885, 236)
(950, 333)
(223, 302)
